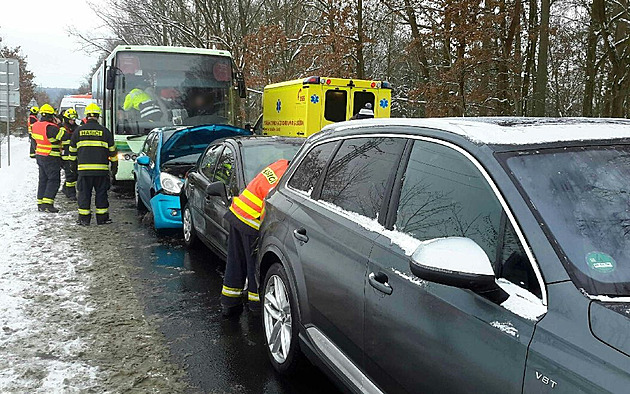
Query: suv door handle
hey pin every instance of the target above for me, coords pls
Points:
(300, 234)
(379, 282)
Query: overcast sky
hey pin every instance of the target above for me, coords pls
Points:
(38, 27)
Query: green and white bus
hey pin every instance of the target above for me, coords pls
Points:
(191, 87)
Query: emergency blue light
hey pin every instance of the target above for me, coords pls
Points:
(314, 80)
(386, 85)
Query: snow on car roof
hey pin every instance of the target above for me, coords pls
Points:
(509, 131)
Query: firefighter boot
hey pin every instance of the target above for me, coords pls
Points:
(254, 308)
(48, 208)
(103, 219)
(231, 310)
(84, 220)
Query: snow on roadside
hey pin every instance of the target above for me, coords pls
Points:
(42, 297)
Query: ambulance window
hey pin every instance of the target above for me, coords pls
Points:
(360, 99)
(336, 104)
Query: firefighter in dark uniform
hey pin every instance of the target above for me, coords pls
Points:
(92, 150)
(68, 125)
(47, 136)
(244, 216)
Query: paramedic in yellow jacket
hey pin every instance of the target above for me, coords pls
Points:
(139, 100)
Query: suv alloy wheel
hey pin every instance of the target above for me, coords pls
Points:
(280, 323)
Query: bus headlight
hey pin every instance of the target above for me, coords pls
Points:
(170, 183)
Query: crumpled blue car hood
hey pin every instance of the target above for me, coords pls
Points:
(194, 140)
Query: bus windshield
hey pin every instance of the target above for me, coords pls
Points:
(165, 89)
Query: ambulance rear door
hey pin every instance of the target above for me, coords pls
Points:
(377, 93)
(337, 103)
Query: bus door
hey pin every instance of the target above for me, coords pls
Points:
(337, 104)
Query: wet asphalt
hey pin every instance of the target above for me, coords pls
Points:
(180, 289)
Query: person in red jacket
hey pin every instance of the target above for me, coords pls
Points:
(244, 217)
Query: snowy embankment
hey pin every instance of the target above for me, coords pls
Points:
(70, 318)
(41, 295)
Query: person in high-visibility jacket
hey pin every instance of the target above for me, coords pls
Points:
(68, 125)
(139, 100)
(92, 150)
(32, 119)
(47, 136)
(244, 217)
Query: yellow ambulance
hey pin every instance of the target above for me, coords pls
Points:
(302, 107)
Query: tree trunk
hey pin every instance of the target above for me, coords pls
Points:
(360, 39)
(589, 66)
(532, 39)
(417, 43)
(540, 86)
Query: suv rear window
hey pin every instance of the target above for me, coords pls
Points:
(358, 178)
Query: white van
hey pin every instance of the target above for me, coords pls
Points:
(76, 101)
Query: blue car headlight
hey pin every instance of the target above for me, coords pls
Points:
(170, 183)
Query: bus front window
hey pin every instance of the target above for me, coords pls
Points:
(165, 89)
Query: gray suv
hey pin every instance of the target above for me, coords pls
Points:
(449, 255)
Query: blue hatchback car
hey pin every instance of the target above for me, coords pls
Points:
(168, 153)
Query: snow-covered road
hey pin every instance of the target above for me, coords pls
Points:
(64, 317)
(41, 296)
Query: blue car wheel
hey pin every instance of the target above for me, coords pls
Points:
(139, 204)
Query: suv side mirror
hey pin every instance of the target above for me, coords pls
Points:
(143, 160)
(457, 262)
(217, 189)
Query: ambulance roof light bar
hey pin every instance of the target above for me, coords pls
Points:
(312, 80)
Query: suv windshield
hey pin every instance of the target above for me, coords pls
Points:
(257, 157)
(583, 197)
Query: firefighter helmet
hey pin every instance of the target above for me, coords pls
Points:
(46, 109)
(70, 113)
(92, 110)
(34, 110)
